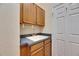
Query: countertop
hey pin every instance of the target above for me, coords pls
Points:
(32, 40)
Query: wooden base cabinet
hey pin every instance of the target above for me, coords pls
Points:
(38, 52)
(24, 50)
(47, 46)
(47, 49)
(39, 49)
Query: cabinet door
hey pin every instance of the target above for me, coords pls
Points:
(24, 50)
(36, 46)
(40, 16)
(47, 49)
(29, 13)
(39, 52)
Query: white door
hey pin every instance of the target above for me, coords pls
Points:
(67, 16)
(59, 13)
(73, 27)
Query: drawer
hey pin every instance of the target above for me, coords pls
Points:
(39, 52)
(47, 41)
(47, 49)
(36, 46)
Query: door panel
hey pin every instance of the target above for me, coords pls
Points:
(60, 25)
(60, 47)
(74, 22)
(75, 49)
(68, 48)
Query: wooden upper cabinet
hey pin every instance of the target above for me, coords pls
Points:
(40, 16)
(29, 13)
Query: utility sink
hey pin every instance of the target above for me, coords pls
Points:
(37, 37)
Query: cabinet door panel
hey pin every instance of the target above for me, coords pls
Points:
(29, 13)
(40, 16)
(39, 52)
(36, 46)
(47, 49)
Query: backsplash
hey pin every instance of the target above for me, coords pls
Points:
(29, 29)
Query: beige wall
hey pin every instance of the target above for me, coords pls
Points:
(9, 29)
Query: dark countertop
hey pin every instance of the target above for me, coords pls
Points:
(24, 40)
(31, 42)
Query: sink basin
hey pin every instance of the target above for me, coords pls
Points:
(37, 37)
